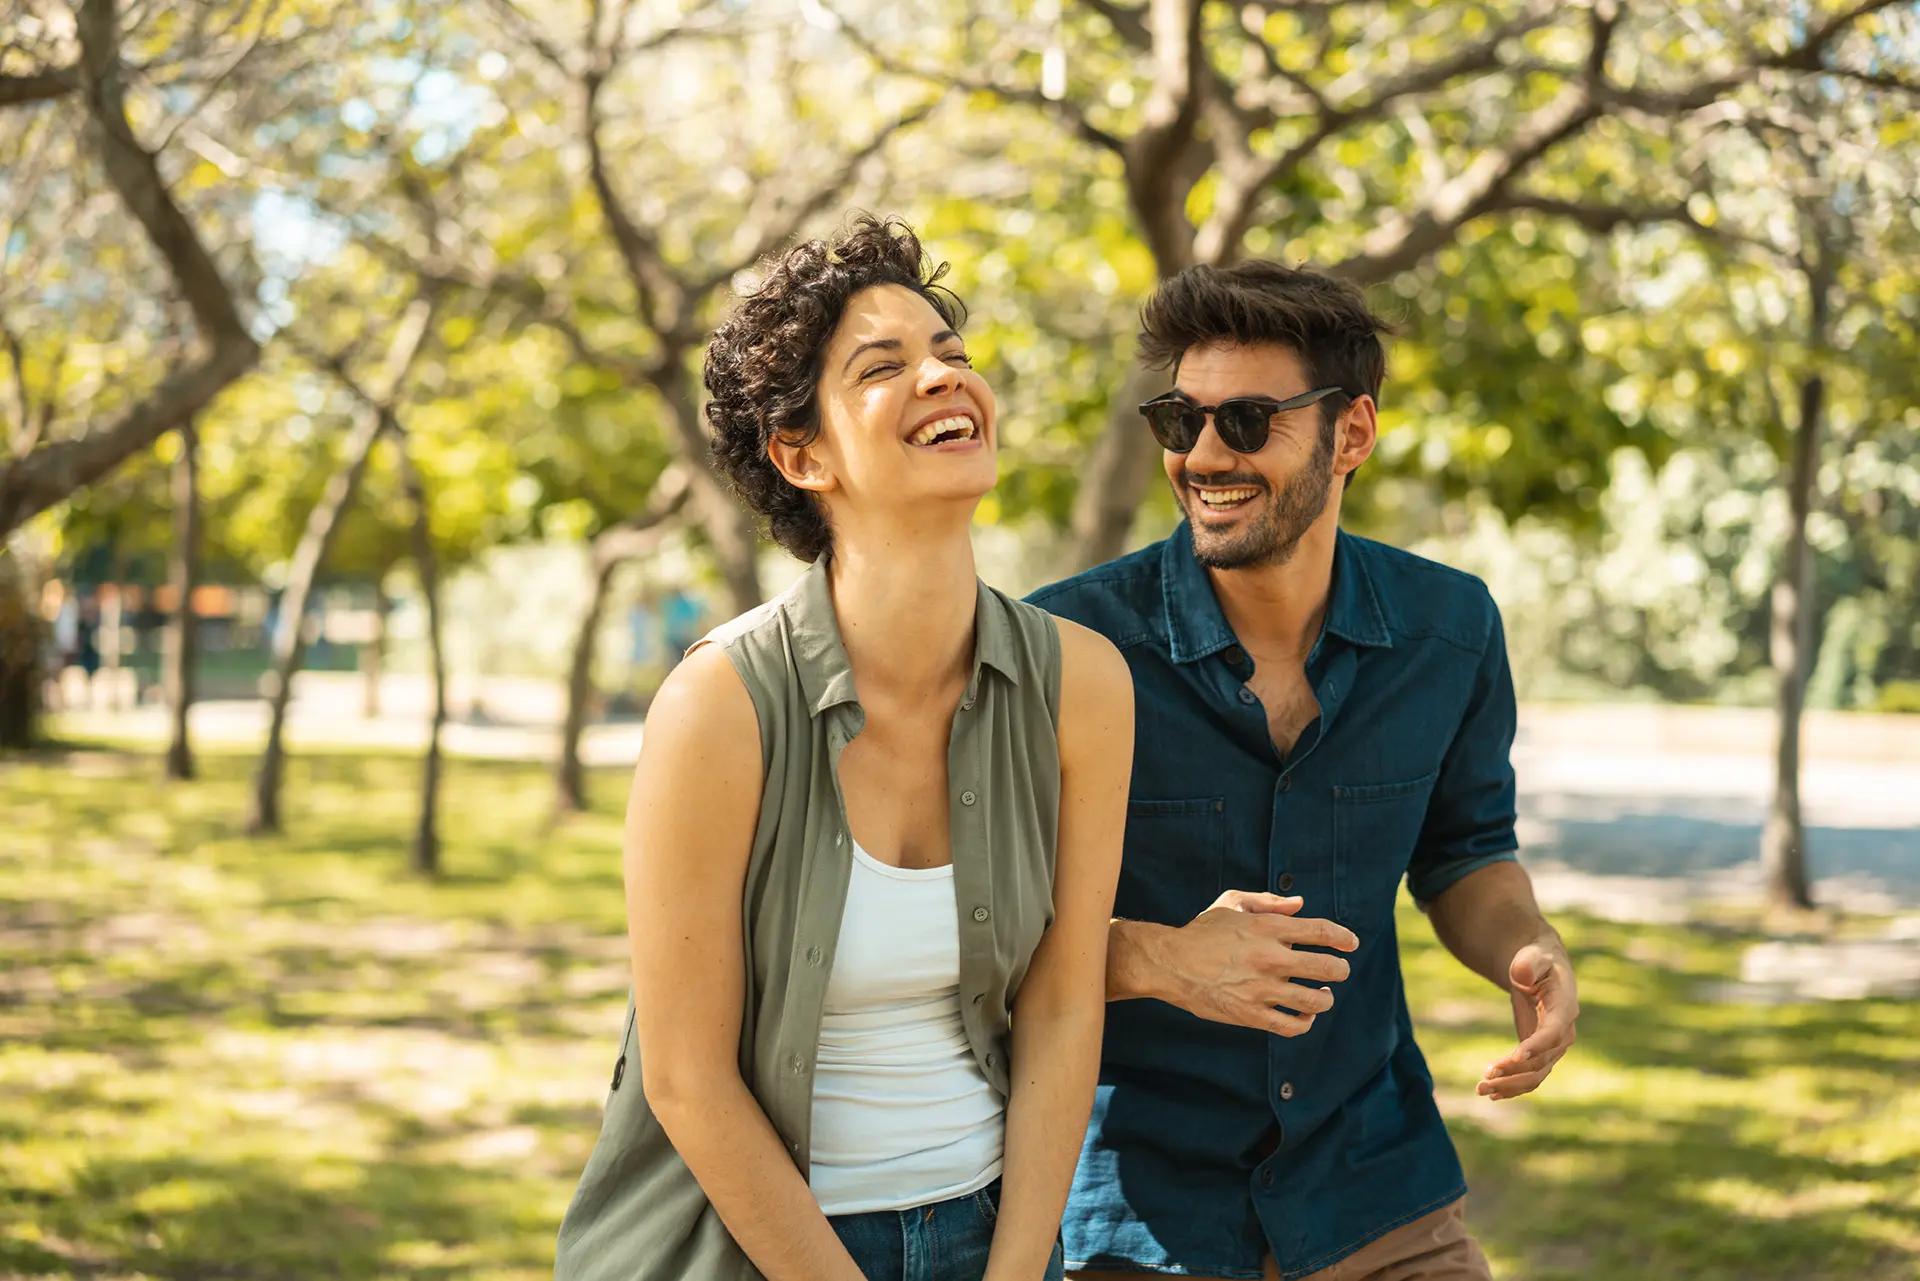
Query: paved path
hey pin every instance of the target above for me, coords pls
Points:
(1636, 812)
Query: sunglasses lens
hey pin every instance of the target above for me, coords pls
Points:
(1174, 425)
(1242, 425)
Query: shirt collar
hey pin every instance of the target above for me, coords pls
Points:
(826, 674)
(1196, 627)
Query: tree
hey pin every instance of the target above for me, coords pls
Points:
(42, 472)
(184, 577)
(1368, 136)
(289, 639)
(612, 547)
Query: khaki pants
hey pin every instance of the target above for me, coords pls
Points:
(1434, 1247)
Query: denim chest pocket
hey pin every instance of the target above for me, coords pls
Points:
(1375, 826)
(1170, 865)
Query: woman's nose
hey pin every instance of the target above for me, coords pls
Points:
(937, 376)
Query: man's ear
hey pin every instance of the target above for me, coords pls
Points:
(801, 465)
(1359, 432)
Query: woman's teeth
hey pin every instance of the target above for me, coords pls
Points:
(1225, 497)
(956, 427)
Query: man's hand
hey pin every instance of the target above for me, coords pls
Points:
(1236, 961)
(1545, 1005)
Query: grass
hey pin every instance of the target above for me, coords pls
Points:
(222, 1057)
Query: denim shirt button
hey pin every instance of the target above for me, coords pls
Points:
(1248, 696)
(1266, 1177)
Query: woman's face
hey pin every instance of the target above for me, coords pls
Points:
(905, 421)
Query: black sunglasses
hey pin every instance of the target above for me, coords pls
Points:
(1241, 420)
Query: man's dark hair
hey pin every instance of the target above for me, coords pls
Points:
(763, 364)
(1324, 319)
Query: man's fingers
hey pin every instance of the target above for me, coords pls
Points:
(1309, 931)
(1303, 999)
(1525, 1060)
(1255, 901)
(1317, 966)
(1279, 1022)
(1512, 1087)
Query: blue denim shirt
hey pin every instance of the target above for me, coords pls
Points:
(1211, 1145)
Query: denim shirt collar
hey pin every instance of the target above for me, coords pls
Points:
(826, 673)
(1196, 627)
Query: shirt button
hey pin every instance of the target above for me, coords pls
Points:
(1286, 1091)
(968, 798)
(981, 914)
(1235, 655)
(1286, 782)
(966, 704)
(794, 1064)
(1285, 882)
(979, 997)
(814, 954)
(794, 1148)
(992, 1060)
(839, 839)
(1266, 1177)
(1248, 696)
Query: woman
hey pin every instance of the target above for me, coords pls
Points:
(872, 840)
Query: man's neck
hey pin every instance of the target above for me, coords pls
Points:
(1277, 610)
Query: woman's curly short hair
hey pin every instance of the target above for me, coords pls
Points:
(764, 363)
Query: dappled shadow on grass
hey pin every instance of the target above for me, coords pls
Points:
(1688, 1198)
(226, 1056)
(257, 1218)
(1683, 1137)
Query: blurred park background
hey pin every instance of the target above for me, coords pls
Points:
(354, 500)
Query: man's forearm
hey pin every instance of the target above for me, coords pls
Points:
(1487, 916)
(1135, 967)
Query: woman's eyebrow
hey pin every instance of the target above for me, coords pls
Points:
(881, 344)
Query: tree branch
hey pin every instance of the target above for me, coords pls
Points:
(818, 199)
(52, 472)
(38, 86)
(640, 533)
(1067, 112)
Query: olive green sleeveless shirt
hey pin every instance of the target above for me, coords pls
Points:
(639, 1214)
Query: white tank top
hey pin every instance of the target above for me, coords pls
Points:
(902, 1115)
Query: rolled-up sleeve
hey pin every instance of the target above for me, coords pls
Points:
(1471, 813)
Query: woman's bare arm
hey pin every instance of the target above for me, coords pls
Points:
(690, 824)
(1060, 1011)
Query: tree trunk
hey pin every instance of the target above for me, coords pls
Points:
(289, 642)
(1783, 854)
(570, 781)
(374, 653)
(184, 575)
(611, 548)
(19, 655)
(426, 840)
(1119, 471)
(731, 531)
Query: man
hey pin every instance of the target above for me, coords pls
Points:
(1318, 716)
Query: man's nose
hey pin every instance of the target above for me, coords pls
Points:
(1210, 453)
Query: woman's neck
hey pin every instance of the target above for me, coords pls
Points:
(906, 613)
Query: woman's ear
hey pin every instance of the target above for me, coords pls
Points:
(801, 465)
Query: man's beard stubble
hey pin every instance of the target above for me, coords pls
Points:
(1273, 536)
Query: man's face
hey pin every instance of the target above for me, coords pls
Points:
(1251, 509)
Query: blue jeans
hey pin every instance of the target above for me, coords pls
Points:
(945, 1241)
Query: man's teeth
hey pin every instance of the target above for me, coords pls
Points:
(1225, 497)
(959, 425)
